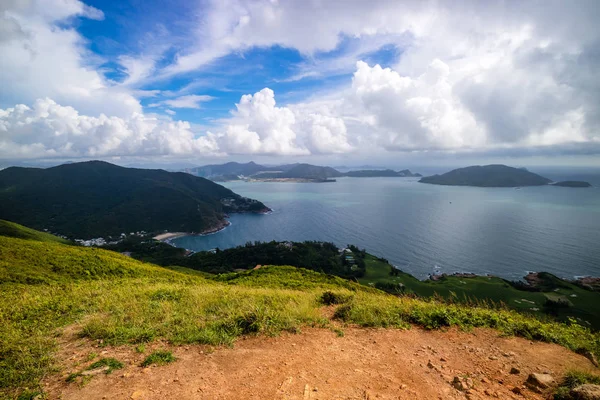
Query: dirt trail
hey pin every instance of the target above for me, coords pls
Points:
(317, 364)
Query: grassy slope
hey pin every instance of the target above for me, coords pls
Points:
(46, 285)
(585, 306)
(11, 229)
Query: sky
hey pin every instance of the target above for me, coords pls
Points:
(337, 82)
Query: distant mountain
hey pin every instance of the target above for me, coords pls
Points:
(98, 199)
(488, 176)
(370, 173)
(233, 171)
(574, 184)
(230, 168)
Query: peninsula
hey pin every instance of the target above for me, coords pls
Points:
(96, 199)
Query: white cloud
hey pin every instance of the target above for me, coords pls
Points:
(187, 101)
(42, 55)
(259, 127)
(48, 129)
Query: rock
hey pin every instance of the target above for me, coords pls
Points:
(493, 358)
(462, 384)
(539, 382)
(95, 371)
(137, 395)
(586, 392)
(517, 390)
(515, 371)
(589, 355)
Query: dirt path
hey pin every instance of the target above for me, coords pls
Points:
(317, 364)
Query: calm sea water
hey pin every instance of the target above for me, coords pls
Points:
(425, 228)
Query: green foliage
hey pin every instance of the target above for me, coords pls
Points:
(551, 296)
(573, 379)
(159, 357)
(317, 256)
(96, 199)
(111, 363)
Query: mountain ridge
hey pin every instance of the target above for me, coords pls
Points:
(96, 198)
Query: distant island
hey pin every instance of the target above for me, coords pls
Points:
(371, 173)
(97, 199)
(573, 184)
(488, 176)
(299, 172)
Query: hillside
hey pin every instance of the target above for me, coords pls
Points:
(96, 199)
(11, 229)
(488, 176)
(57, 299)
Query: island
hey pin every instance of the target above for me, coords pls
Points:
(573, 184)
(495, 175)
(372, 173)
(96, 199)
(299, 172)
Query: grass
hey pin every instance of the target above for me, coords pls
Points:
(115, 300)
(583, 305)
(572, 380)
(111, 365)
(14, 230)
(160, 357)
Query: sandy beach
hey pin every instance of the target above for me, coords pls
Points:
(169, 235)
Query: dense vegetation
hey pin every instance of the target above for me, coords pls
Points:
(111, 298)
(96, 199)
(550, 297)
(488, 176)
(317, 256)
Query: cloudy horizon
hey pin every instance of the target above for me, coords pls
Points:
(385, 83)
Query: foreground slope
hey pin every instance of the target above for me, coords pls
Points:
(488, 176)
(95, 199)
(57, 299)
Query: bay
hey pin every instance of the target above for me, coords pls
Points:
(424, 228)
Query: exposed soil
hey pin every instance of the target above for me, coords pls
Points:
(318, 364)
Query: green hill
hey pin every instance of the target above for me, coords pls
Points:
(488, 176)
(11, 229)
(47, 286)
(96, 199)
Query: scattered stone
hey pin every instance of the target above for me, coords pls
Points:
(539, 382)
(442, 359)
(586, 392)
(95, 371)
(493, 358)
(462, 384)
(515, 371)
(517, 390)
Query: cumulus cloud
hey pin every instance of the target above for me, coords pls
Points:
(48, 129)
(259, 127)
(43, 55)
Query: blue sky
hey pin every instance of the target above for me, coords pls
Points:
(337, 82)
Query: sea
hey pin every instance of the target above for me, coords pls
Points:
(424, 229)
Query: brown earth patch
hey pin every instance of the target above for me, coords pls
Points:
(319, 364)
